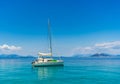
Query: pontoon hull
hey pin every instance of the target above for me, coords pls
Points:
(43, 64)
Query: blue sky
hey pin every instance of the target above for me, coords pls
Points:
(74, 23)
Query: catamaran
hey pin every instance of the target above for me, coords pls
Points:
(46, 59)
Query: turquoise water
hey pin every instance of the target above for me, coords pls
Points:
(75, 71)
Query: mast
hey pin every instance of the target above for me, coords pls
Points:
(50, 37)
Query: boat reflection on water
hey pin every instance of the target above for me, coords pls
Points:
(47, 72)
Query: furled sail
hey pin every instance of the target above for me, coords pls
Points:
(44, 54)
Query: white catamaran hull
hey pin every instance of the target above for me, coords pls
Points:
(48, 64)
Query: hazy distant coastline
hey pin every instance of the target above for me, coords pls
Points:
(96, 55)
(14, 56)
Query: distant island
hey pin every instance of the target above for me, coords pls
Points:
(13, 56)
(97, 55)
(101, 55)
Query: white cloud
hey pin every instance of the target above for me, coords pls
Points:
(107, 47)
(109, 44)
(6, 47)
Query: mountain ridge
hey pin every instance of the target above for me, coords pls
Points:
(97, 55)
(14, 56)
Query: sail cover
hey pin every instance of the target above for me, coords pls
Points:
(44, 54)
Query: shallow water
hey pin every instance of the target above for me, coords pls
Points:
(75, 71)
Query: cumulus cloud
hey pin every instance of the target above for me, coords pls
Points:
(107, 47)
(6, 47)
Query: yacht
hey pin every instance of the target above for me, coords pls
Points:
(46, 59)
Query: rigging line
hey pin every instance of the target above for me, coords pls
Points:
(50, 37)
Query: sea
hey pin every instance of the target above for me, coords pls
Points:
(74, 71)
